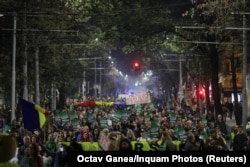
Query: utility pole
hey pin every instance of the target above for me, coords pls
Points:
(100, 80)
(13, 86)
(199, 89)
(245, 107)
(95, 81)
(25, 65)
(53, 95)
(95, 68)
(37, 76)
(83, 87)
(180, 81)
(245, 74)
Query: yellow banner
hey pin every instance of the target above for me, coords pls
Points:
(103, 103)
(137, 146)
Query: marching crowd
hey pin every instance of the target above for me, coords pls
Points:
(170, 129)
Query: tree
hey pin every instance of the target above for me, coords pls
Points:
(210, 14)
(147, 27)
(45, 26)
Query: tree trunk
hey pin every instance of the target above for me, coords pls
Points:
(207, 84)
(37, 81)
(62, 99)
(235, 90)
(216, 92)
(234, 77)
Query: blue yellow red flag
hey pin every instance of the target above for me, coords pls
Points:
(33, 115)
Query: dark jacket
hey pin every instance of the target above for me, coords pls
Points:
(239, 142)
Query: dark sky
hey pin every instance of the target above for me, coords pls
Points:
(124, 61)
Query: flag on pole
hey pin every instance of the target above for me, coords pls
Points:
(33, 115)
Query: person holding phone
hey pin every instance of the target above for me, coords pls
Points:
(56, 156)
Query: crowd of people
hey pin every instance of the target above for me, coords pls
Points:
(152, 123)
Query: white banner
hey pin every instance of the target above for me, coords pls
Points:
(140, 98)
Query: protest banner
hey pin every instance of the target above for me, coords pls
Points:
(140, 98)
(105, 143)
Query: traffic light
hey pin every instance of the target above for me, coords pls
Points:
(200, 93)
(136, 65)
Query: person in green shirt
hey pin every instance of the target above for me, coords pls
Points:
(234, 131)
(50, 144)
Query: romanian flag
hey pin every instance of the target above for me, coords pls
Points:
(33, 115)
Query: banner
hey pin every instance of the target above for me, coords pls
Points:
(62, 117)
(74, 119)
(105, 145)
(141, 98)
(122, 96)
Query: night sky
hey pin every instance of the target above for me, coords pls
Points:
(124, 61)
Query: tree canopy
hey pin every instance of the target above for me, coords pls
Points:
(63, 30)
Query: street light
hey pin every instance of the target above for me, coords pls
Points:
(245, 107)
(95, 68)
(83, 87)
(13, 88)
(245, 74)
(95, 65)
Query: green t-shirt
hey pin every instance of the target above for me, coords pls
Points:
(8, 164)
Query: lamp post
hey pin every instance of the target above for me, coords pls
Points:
(245, 105)
(95, 68)
(245, 74)
(95, 84)
(83, 87)
(13, 85)
(100, 80)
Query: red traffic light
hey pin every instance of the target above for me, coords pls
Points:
(136, 65)
(200, 93)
